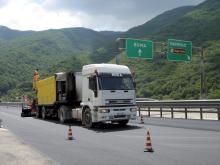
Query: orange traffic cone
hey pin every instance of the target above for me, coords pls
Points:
(70, 136)
(142, 119)
(148, 146)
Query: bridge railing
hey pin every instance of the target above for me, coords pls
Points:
(172, 107)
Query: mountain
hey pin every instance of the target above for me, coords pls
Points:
(196, 23)
(23, 51)
(156, 24)
(199, 25)
(68, 49)
(9, 34)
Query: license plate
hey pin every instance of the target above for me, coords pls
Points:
(119, 116)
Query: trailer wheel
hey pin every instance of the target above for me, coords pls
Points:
(38, 112)
(87, 118)
(61, 115)
(43, 113)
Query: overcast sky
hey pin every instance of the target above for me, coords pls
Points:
(117, 15)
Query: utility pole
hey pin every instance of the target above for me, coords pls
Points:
(202, 74)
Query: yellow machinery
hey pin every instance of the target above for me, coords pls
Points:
(46, 91)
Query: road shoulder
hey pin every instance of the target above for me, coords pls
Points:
(15, 152)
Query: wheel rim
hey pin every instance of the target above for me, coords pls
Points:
(61, 116)
(87, 118)
(37, 114)
(43, 113)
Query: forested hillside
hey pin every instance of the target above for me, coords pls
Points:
(22, 52)
(161, 79)
(68, 49)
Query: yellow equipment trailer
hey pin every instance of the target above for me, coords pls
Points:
(46, 91)
(55, 96)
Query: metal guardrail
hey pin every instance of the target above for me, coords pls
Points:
(168, 106)
(183, 106)
(10, 103)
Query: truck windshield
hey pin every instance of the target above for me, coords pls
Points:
(116, 83)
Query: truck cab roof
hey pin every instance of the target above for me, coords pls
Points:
(105, 68)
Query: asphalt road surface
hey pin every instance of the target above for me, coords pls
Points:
(110, 145)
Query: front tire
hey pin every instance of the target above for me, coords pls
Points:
(87, 118)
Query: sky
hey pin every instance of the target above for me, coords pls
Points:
(111, 15)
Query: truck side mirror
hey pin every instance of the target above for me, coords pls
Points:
(134, 82)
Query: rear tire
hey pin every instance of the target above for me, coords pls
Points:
(43, 113)
(38, 112)
(61, 115)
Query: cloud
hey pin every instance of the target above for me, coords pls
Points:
(117, 8)
(95, 14)
(27, 14)
(3, 3)
(116, 14)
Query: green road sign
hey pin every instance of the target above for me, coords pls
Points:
(139, 48)
(179, 50)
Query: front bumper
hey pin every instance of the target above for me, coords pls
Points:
(102, 114)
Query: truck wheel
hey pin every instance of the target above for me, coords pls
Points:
(123, 122)
(87, 118)
(61, 115)
(43, 113)
(38, 112)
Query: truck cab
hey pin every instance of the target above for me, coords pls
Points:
(108, 94)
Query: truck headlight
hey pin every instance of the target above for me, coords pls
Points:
(133, 109)
(104, 110)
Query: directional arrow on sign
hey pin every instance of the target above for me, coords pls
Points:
(188, 57)
(139, 52)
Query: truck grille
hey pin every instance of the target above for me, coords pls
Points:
(118, 101)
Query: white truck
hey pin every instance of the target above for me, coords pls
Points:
(100, 93)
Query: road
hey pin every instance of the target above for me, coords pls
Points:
(110, 145)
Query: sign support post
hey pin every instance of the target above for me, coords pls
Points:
(120, 46)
